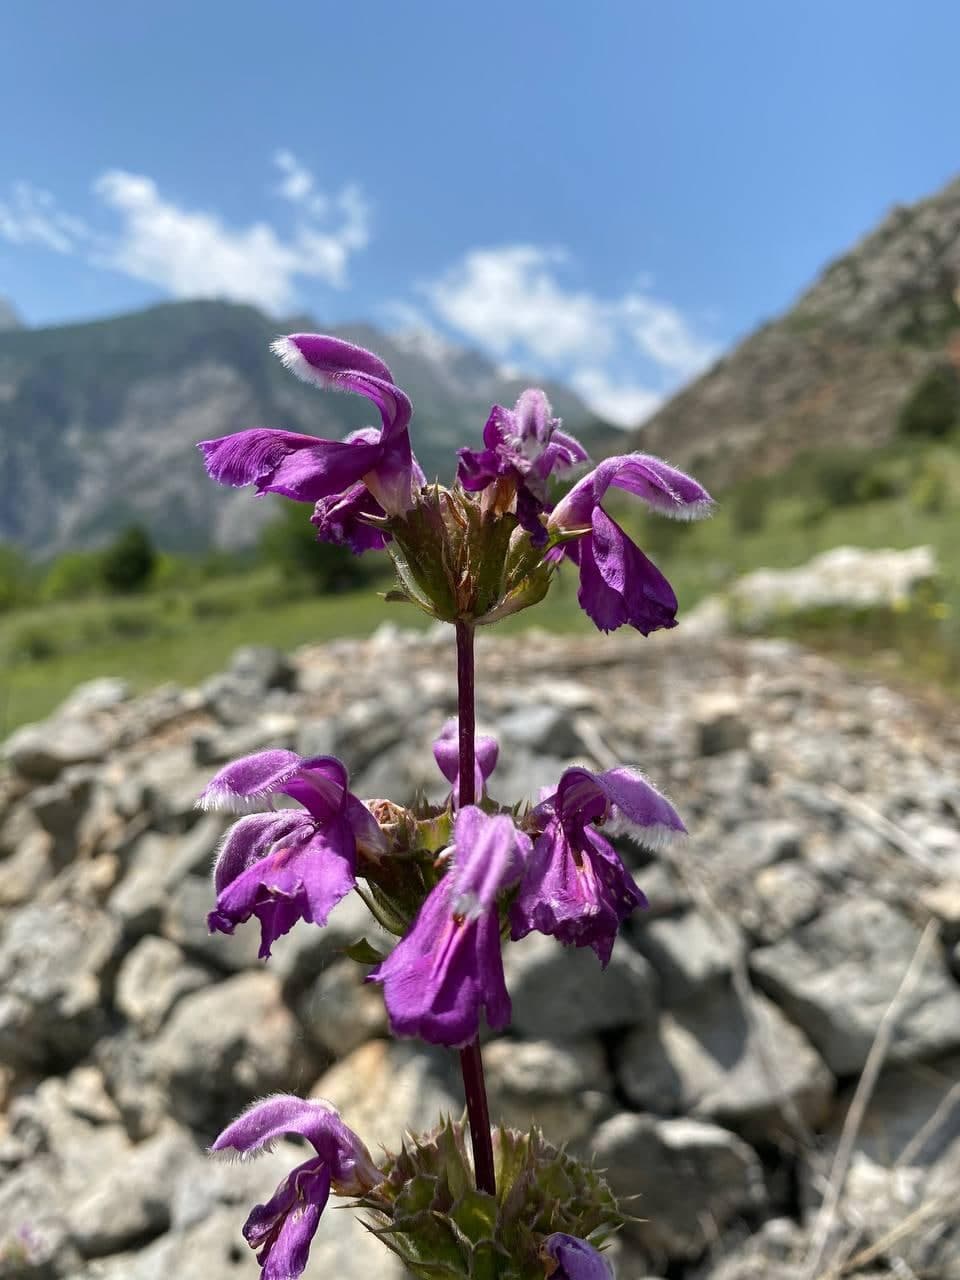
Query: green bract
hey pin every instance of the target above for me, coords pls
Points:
(428, 1211)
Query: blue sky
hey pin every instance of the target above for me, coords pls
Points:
(608, 194)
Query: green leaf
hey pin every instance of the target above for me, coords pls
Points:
(364, 952)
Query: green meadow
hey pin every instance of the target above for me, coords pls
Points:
(185, 630)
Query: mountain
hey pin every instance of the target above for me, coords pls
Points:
(9, 319)
(838, 366)
(98, 421)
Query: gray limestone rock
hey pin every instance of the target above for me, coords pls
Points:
(186, 906)
(227, 1044)
(138, 900)
(720, 724)
(562, 992)
(152, 978)
(53, 957)
(129, 1201)
(563, 1088)
(688, 952)
(384, 1088)
(836, 977)
(691, 1178)
(751, 1071)
(42, 751)
(35, 1241)
(339, 1011)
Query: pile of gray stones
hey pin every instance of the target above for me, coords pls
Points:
(770, 1065)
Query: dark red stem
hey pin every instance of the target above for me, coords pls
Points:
(471, 1063)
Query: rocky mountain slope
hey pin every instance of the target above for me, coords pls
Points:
(710, 1068)
(98, 420)
(838, 365)
(8, 316)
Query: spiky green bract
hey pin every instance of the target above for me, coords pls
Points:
(428, 1211)
(459, 559)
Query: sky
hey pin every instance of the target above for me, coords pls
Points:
(610, 195)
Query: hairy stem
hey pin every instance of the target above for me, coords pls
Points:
(471, 1063)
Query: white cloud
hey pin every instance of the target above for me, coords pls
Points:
(661, 332)
(31, 216)
(194, 253)
(623, 403)
(512, 302)
(502, 298)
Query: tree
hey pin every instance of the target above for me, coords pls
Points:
(290, 543)
(129, 561)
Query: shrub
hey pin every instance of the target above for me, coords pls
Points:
(930, 491)
(128, 563)
(748, 505)
(72, 576)
(290, 543)
(932, 409)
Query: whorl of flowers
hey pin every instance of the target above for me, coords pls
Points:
(450, 881)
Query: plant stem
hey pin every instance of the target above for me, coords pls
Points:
(471, 1063)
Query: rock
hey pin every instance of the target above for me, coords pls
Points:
(719, 724)
(170, 785)
(185, 923)
(102, 694)
(28, 869)
(53, 958)
(665, 893)
(912, 1118)
(59, 807)
(316, 737)
(777, 1249)
(130, 1071)
(194, 852)
(384, 1088)
(226, 1045)
(339, 1011)
(789, 894)
(562, 991)
(152, 978)
(753, 845)
(563, 1088)
(691, 1178)
(541, 727)
(139, 899)
(943, 902)
(35, 1239)
(41, 752)
(522, 775)
(745, 1074)
(304, 953)
(85, 1093)
(844, 578)
(130, 1201)
(688, 953)
(835, 978)
(214, 1249)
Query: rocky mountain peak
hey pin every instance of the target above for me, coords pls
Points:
(838, 365)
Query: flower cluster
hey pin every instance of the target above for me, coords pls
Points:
(450, 881)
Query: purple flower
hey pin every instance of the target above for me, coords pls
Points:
(446, 752)
(575, 886)
(618, 583)
(572, 1259)
(282, 1229)
(525, 446)
(448, 968)
(309, 469)
(287, 865)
